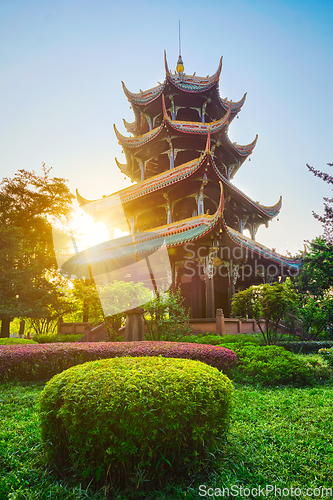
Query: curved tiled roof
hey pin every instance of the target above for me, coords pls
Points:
(192, 83)
(236, 106)
(166, 179)
(272, 210)
(244, 150)
(130, 127)
(268, 211)
(109, 255)
(197, 127)
(187, 83)
(135, 142)
(150, 185)
(261, 250)
(144, 97)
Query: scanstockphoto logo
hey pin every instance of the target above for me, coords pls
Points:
(267, 491)
(227, 262)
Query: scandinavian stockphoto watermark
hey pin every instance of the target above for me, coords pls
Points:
(233, 262)
(269, 490)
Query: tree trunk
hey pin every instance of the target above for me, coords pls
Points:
(5, 324)
(85, 318)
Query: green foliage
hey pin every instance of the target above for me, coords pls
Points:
(270, 365)
(316, 316)
(105, 303)
(86, 303)
(327, 355)
(281, 436)
(226, 340)
(316, 275)
(29, 282)
(152, 418)
(268, 305)
(241, 338)
(50, 339)
(15, 341)
(305, 346)
(166, 318)
(43, 361)
(327, 218)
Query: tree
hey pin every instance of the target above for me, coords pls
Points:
(316, 315)
(29, 204)
(268, 305)
(327, 218)
(316, 275)
(166, 318)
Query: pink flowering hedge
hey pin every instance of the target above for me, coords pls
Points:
(43, 361)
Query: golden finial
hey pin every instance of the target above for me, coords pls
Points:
(180, 64)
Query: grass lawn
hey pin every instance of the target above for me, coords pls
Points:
(281, 437)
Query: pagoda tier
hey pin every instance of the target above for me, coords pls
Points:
(181, 192)
(182, 93)
(121, 252)
(175, 142)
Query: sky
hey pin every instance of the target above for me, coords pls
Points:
(61, 66)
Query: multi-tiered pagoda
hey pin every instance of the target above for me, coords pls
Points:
(182, 162)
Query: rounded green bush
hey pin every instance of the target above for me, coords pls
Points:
(118, 419)
(15, 341)
(270, 365)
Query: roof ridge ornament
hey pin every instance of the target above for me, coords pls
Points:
(165, 114)
(207, 150)
(167, 71)
(180, 64)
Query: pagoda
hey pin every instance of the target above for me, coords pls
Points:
(182, 163)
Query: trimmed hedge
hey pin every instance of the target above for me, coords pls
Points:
(43, 361)
(271, 365)
(51, 339)
(241, 338)
(117, 421)
(306, 346)
(15, 341)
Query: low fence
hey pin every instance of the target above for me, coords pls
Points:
(219, 325)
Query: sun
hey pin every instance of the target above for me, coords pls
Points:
(86, 232)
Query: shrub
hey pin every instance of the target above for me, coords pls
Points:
(50, 339)
(212, 339)
(117, 420)
(43, 361)
(166, 318)
(271, 365)
(268, 305)
(327, 354)
(15, 341)
(305, 346)
(241, 338)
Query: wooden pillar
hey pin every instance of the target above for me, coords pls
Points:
(60, 321)
(134, 326)
(210, 299)
(196, 297)
(220, 324)
(240, 326)
(87, 333)
(231, 292)
(203, 112)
